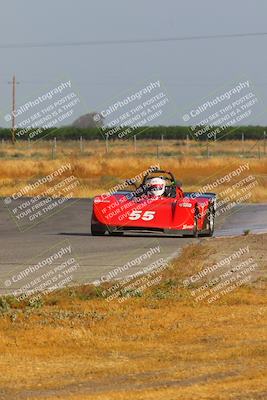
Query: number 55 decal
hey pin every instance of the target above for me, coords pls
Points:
(146, 216)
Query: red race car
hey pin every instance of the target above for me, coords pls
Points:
(157, 204)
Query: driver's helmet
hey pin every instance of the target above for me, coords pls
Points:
(156, 186)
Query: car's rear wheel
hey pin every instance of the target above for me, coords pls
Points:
(98, 229)
(209, 223)
(195, 229)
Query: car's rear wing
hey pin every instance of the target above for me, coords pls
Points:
(207, 195)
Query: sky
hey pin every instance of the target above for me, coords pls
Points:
(189, 70)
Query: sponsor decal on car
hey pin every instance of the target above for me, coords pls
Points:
(188, 205)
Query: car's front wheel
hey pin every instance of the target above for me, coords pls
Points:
(98, 229)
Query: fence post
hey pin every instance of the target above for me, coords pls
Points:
(107, 149)
(187, 143)
(54, 148)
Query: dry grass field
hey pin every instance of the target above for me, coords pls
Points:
(98, 169)
(77, 346)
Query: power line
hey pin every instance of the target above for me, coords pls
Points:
(111, 82)
(129, 41)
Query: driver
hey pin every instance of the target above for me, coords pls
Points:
(156, 187)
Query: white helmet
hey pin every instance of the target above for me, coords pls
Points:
(156, 186)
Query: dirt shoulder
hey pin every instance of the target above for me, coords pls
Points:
(162, 343)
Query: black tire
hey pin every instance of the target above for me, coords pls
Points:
(195, 230)
(210, 221)
(98, 230)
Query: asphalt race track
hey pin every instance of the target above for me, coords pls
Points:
(28, 244)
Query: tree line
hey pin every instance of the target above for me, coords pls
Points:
(153, 132)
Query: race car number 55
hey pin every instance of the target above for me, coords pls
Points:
(146, 216)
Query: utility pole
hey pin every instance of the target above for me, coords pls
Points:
(13, 129)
